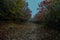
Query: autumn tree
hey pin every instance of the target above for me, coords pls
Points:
(53, 17)
(39, 17)
(50, 10)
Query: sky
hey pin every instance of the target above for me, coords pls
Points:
(33, 5)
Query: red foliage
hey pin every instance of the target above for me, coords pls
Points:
(44, 2)
(43, 8)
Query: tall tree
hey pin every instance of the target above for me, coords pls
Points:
(51, 13)
(12, 9)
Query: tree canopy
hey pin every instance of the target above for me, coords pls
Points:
(49, 13)
(13, 9)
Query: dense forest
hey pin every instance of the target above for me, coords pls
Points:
(16, 22)
(49, 14)
(14, 10)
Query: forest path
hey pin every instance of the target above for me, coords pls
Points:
(32, 32)
(13, 31)
(28, 31)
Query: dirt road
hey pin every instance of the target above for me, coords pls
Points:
(28, 31)
(19, 32)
